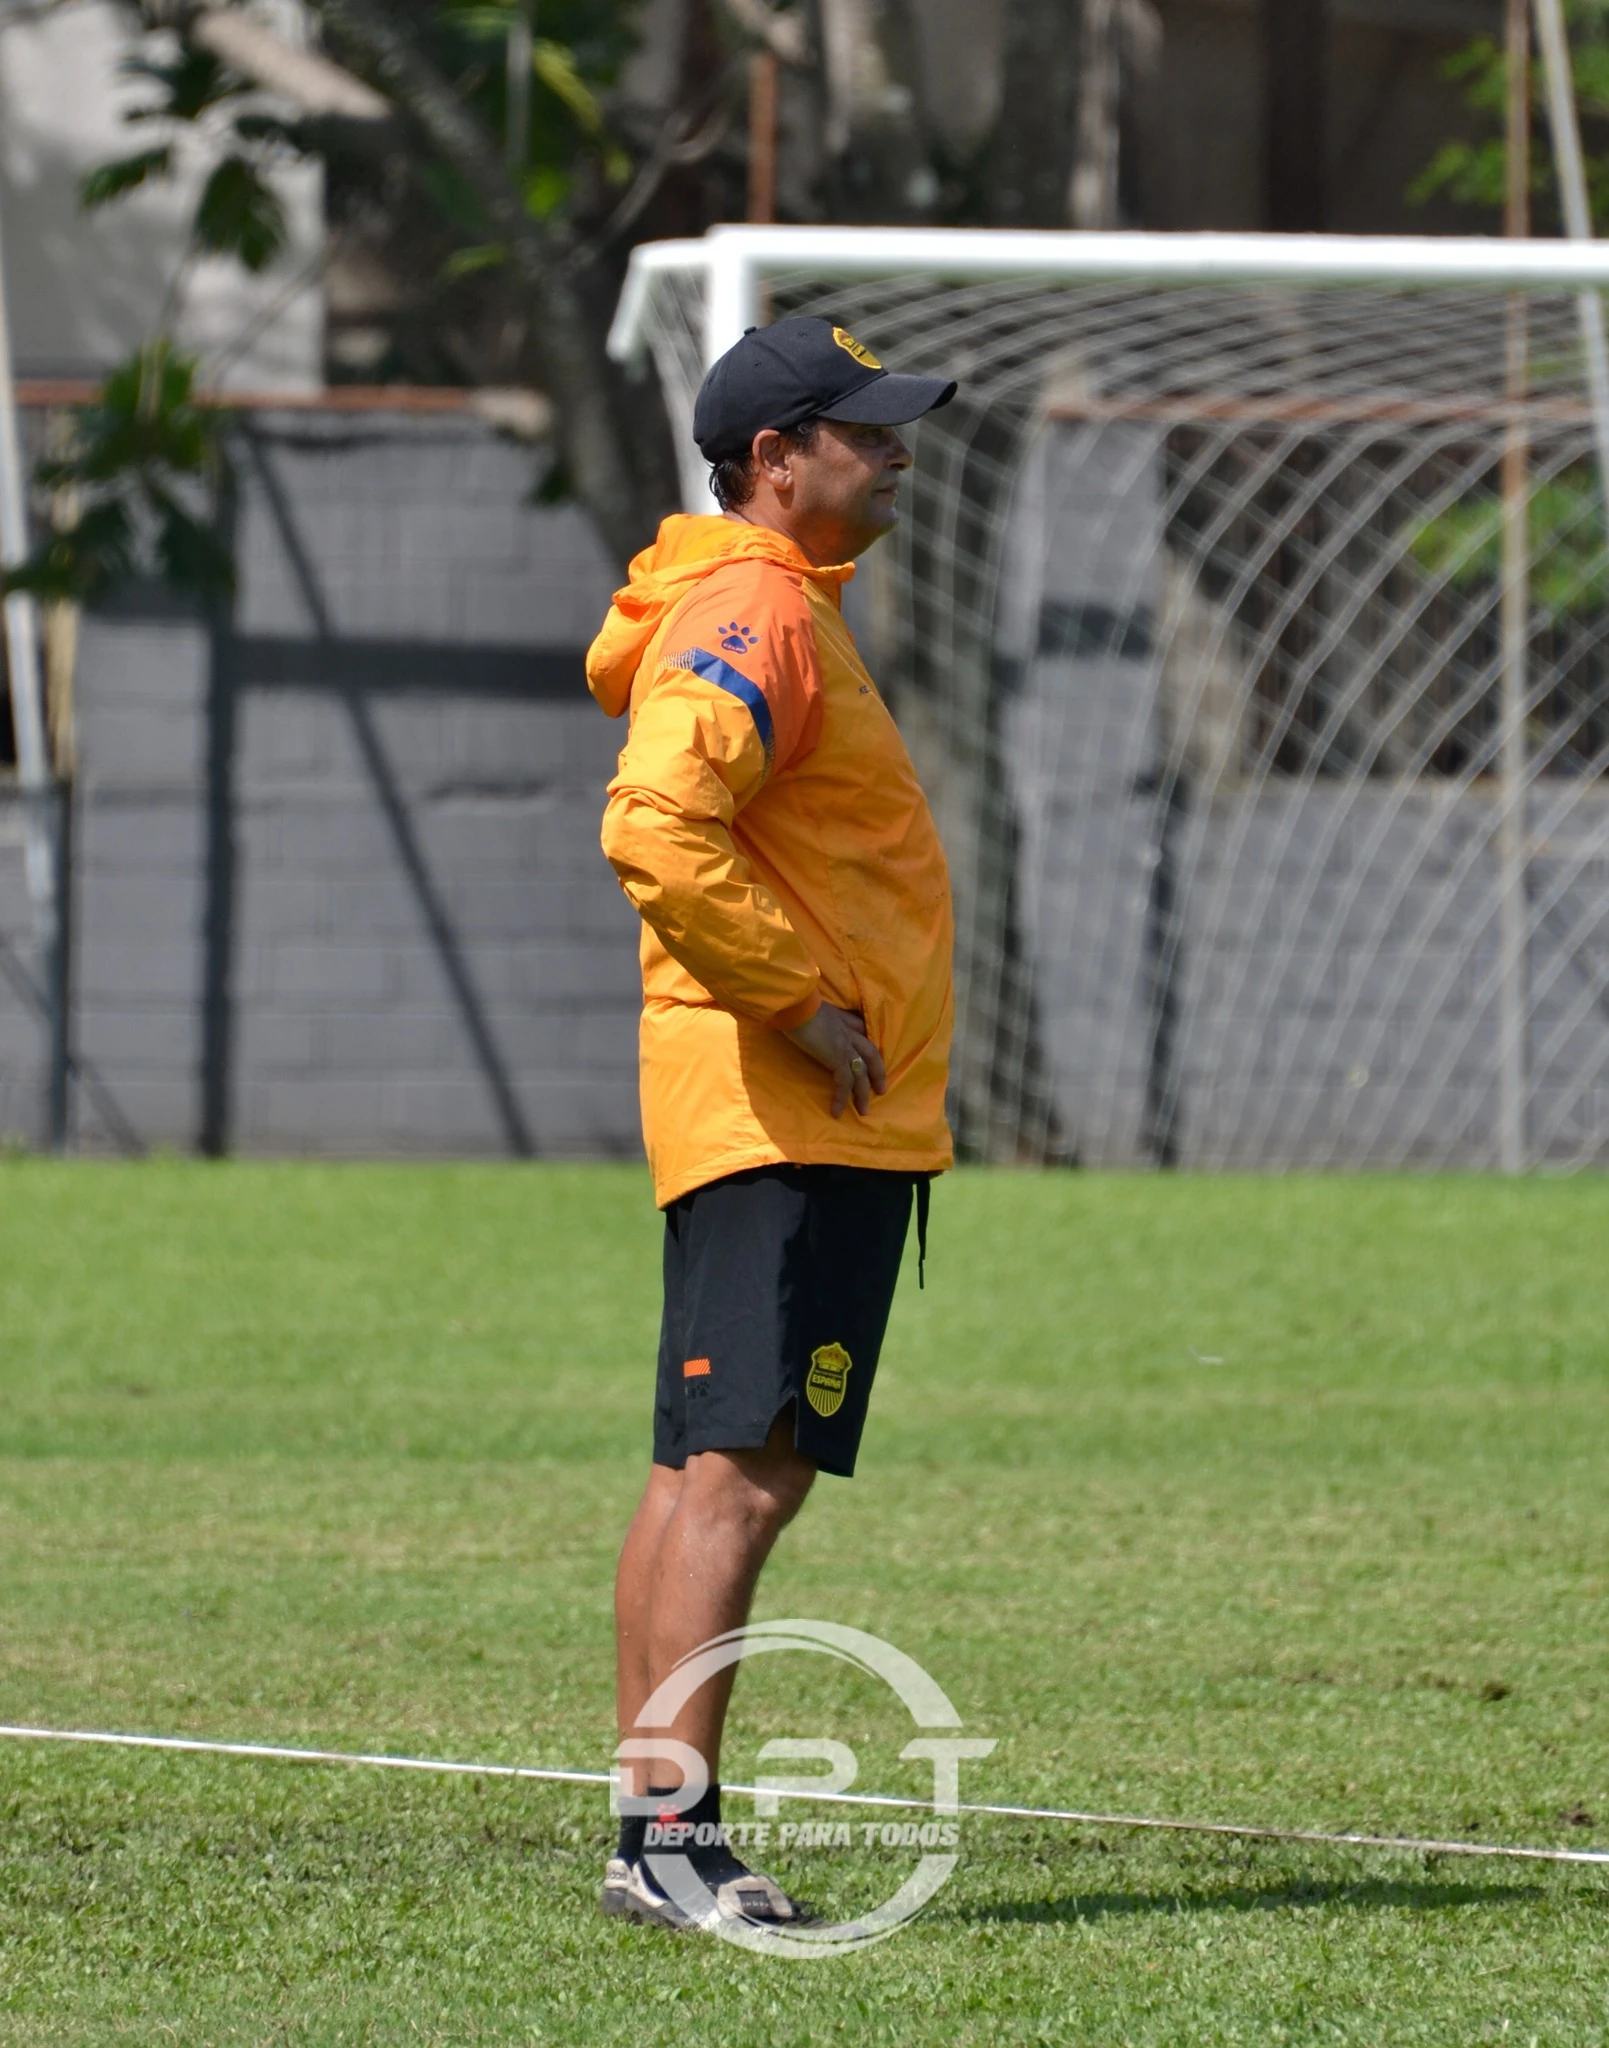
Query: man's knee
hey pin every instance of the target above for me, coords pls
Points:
(663, 1489)
(760, 1490)
(785, 1480)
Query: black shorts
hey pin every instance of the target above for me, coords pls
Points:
(778, 1283)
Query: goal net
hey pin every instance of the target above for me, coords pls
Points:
(1247, 624)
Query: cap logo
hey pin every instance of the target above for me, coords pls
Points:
(851, 346)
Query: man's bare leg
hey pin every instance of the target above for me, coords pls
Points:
(688, 1569)
(634, 1583)
(733, 1507)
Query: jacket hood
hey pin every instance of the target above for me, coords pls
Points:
(690, 545)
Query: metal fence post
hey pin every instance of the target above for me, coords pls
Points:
(1513, 905)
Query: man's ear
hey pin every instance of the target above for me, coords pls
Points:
(770, 454)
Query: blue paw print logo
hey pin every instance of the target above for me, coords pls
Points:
(738, 639)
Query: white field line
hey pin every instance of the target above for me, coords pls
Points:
(271, 1752)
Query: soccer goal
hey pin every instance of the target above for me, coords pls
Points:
(1247, 624)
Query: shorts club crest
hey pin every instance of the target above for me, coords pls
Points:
(828, 1378)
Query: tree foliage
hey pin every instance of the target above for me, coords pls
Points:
(125, 174)
(145, 457)
(1473, 171)
(239, 214)
(503, 196)
(1565, 521)
(140, 477)
(1463, 546)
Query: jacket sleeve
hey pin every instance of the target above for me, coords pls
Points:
(705, 738)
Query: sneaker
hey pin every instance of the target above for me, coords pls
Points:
(747, 1894)
(642, 1900)
(616, 1886)
(732, 1892)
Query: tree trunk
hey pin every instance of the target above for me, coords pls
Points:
(1293, 48)
(1093, 194)
(1032, 158)
(614, 447)
(878, 168)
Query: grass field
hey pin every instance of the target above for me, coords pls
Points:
(1270, 1500)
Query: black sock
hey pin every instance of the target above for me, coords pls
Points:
(705, 1811)
(634, 1826)
(712, 1858)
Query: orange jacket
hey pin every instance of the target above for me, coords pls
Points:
(767, 823)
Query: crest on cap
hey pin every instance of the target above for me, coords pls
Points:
(858, 350)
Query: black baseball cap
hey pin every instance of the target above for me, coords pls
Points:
(800, 370)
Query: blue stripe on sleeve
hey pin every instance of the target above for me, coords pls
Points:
(722, 674)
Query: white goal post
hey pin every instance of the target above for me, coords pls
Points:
(1249, 623)
(735, 262)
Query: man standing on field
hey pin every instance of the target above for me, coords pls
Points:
(768, 826)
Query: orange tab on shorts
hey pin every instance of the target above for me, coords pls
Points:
(695, 1368)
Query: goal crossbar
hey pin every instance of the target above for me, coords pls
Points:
(734, 263)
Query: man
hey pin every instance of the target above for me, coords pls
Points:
(768, 826)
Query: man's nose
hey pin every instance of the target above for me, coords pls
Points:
(899, 456)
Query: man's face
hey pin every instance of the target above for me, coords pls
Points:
(845, 487)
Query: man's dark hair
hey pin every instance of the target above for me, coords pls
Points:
(733, 479)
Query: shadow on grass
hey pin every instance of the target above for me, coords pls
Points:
(1368, 1895)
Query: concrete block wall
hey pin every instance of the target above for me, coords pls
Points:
(354, 1032)
(1342, 981)
(1338, 969)
(138, 868)
(1080, 736)
(415, 529)
(1337, 973)
(137, 888)
(430, 955)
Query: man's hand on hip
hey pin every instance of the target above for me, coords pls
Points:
(836, 1040)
